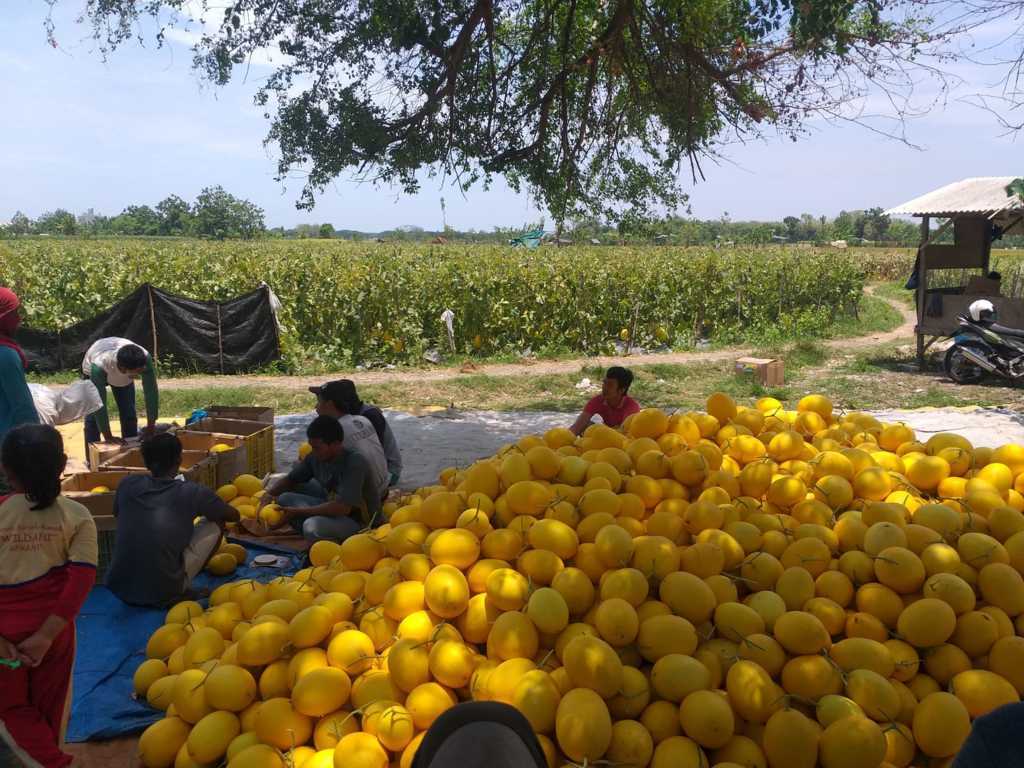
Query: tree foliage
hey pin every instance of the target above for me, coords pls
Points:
(220, 215)
(592, 106)
(20, 224)
(57, 222)
(137, 220)
(175, 216)
(215, 214)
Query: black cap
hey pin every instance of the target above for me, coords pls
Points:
(341, 392)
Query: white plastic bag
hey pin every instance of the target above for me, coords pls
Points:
(70, 404)
(275, 306)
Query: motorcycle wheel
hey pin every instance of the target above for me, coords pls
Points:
(960, 369)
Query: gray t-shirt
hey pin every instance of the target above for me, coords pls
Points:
(387, 439)
(347, 479)
(154, 527)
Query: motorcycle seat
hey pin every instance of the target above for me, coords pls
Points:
(1006, 331)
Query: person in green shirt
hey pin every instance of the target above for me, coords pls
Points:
(331, 494)
(16, 404)
(118, 362)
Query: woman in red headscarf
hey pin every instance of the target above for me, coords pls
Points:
(16, 405)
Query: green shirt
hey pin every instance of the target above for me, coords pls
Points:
(149, 390)
(346, 479)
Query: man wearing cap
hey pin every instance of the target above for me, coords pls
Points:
(360, 436)
(351, 404)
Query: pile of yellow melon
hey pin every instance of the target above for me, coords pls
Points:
(244, 495)
(743, 587)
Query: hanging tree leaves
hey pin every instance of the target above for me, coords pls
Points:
(593, 106)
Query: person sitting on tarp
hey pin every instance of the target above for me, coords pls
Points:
(332, 493)
(118, 362)
(159, 549)
(613, 405)
(332, 399)
(343, 391)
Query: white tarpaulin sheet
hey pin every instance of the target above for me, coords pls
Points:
(431, 443)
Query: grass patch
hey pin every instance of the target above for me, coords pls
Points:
(891, 358)
(874, 316)
(187, 400)
(60, 377)
(894, 290)
(803, 354)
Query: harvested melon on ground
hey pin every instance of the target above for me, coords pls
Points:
(758, 585)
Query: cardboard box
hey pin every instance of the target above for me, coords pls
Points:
(220, 426)
(77, 487)
(230, 464)
(768, 372)
(241, 413)
(100, 452)
(258, 437)
(197, 466)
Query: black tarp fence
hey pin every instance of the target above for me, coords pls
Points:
(231, 336)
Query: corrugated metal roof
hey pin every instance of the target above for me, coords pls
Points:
(984, 194)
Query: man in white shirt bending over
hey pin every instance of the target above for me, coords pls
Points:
(119, 362)
(360, 435)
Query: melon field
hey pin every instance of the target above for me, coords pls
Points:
(350, 303)
(742, 587)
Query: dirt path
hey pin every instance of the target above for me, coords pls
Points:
(533, 367)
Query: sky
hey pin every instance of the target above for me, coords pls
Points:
(80, 133)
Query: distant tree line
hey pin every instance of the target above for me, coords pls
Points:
(871, 226)
(860, 227)
(218, 214)
(215, 213)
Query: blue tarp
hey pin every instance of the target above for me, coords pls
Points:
(112, 640)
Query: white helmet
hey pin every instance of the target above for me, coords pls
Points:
(982, 311)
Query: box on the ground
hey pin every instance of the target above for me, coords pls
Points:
(100, 452)
(768, 372)
(230, 463)
(241, 413)
(78, 487)
(97, 453)
(197, 466)
(257, 435)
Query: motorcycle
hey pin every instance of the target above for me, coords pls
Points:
(981, 347)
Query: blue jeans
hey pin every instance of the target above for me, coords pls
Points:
(125, 399)
(317, 527)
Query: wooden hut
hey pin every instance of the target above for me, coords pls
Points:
(947, 276)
